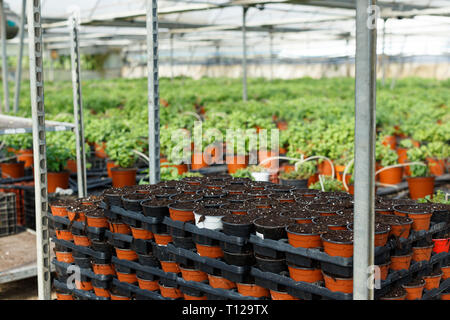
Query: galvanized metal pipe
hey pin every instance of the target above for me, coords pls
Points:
(19, 59)
(365, 101)
(244, 56)
(4, 57)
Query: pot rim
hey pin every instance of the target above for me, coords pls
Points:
(336, 278)
(267, 227)
(401, 256)
(336, 242)
(407, 212)
(435, 276)
(395, 298)
(170, 206)
(301, 234)
(123, 169)
(415, 286)
(424, 247)
(236, 224)
(258, 257)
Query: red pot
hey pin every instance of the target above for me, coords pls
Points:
(109, 166)
(441, 245)
(57, 179)
(436, 166)
(71, 166)
(198, 161)
(391, 176)
(100, 150)
(390, 141)
(13, 170)
(324, 168)
(123, 177)
(420, 187)
(25, 155)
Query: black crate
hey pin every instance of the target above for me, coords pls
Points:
(8, 215)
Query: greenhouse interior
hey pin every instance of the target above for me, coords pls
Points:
(249, 150)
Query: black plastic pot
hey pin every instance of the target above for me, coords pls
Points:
(61, 248)
(270, 232)
(234, 248)
(203, 240)
(151, 211)
(148, 260)
(78, 254)
(270, 265)
(122, 269)
(440, 216)
(183, 242)
(145, 275)
(83, 263)
(134, 204)
(101, 246)
(239, 259)
(238, 230)
(299, 184)
(113, 199)
(142, 246)
(100, 283)
(158, 228)
(175, 232)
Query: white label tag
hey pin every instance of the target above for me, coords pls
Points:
(259, 235)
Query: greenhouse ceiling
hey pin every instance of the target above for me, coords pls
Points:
(298, 28)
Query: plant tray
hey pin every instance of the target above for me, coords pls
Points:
(151, 295)
(86, 295)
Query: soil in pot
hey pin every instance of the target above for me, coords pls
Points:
(186, 197)
(272, 227)
(122, 177)
(96, 219)
(299, 215)
(338, 243)
(333, 222)
(189, 274)
(420, 215)
(305, 235)
(336, 284)
(433, 280)
(252, 290)
(219, 282)
(157, 207)
(238, 208)
(13, 170)
(305, 192)
(401, 262)
(310, 275)
(414, 289)
(420, 187)
(238, 225)
(78, 212)
(397, 293)
(422, 253)
(400, 226)
(59, 207)
(182, 211)
(132, 201)
(324, 209)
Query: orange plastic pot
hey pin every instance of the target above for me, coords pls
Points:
(101, 292)
(104, 269)
(391, 175)
(84, 285)
(82, 241)
(123, 177)
(13, 170)
(25, 155)
(100, 150)
(445, 296)
(265, 154)
(162, 239)
(432, 282)
(304, 240)
(324, 168)
(71, 165)
(188, 297)
(384, 270)
(58, 211)
(150, 285)
(126, 277)
(139, 233)
(181, 215)
(193, 275)
(441, 245)
(198, 161)
(381, 238)
(76, 216)
(414, 292)
(401, 230)
(403, 158)
(420, 187)
(351, 189)
(109, 166)
(57, 180)
(168, 292)
(252, 290)
(445, 272)
(338, 249)
(236, 162)
(66, 257)
(310, 275)
(119, 227)
(339, 171)
(170, 266)
(390, 141)
(344, 285)
(64, 235)
(422, 253)
(401, 262)
(209, 251)
(64, 296)
(97, 222)
(421, 221)
(436, 166)
(117, 297)
(220, 282)
(126, 254)
(277, 295)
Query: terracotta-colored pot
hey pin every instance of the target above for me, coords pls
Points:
(351, 189)
(181, 168)
(189, 297)
(420, 187)
(391, 176)
(339, 170)
(183, 215)
(150, 285)
(84, 285)
(198, 161)
(218, 282)
(401, 262)
(139, 233)
(390, 141)
(401, 230)
(381, 238)
(337, 249)
(82, 241)
(265, 154)
(71, 165)
(169, 292)
(57, 180)
(109, 165)
(126, 277)
(64, 235)
(193, 275)
(13, 170)
(304, 240)
(236, 162)
(310, 275)
(436, 166)
(118, 297)
(162, 239)
(25, 155)
(445, 296)
(104, 269)
(252, 290)
(277, 295)
(76, 216)
(445, 272)
(324, 168)
(100, 150)
(58, 211)
(403, 158)
(66, 257)
(344, 285)
(421, 221)
(118, 227)
(170, 266)
(123, 177)
(422, 253)
(384, 270)
(441, 245)
(97, 222)
(209, 251)
(64, 296)
(126, 254)
(101, 292)
(432, 282)
(414, 292)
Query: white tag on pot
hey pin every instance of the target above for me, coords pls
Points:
(259, 235)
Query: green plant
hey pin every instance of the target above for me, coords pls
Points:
(438, 197)
(329, 184)
(57, 157)
(388, 156)
(406, 143)
(243, 173)
(418, 155)
(21, 141)
(437, 149)
(121, 148)
(305, 171)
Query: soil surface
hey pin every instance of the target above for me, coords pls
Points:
(184, 205)
(324, 208)
(273, 221)
(395, 220)
(339, 235)
(210, 211)
(182, 197)
(158, 202)
(136, 196)
(395, 293)
(415, 283)
(239, 218)
(63, 203)
(412, 208)
(333, 220)
(96, 213)
(307, 228)
(297, 213)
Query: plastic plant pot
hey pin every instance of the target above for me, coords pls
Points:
(66, 257)
(139, 233)
(266, 229)
(119, 297)
(310, 275)
(118, 227)
(126, 254)
(436, 166)
(445, 272)
(209, 251)
(193, 274)
(239, 259)
(162, 239)
(122, 177)
(239, 230)
(64, 296)
(391, 175)
(335, 284)
(279, 295)
(150, 285)
(252, 290)
(97, 222)
(189, 297)
(181, 214)
(84, 285)
(270, 265)
(236, 162)
(420, 187)
(303, 240)
(414, 291)
(432, 281)
(209, 222)
(422, 253)
(103, 269)
(337, 248)
(421, 221)
(126, 277)
(384, 270)
(445, 296)
(261, 176)
(400, 226)
(26, 156)
(59, 211)
(198, 161)
(401, 262)
(57, 180)
(218, 282)
(170, 292)
(101, 292)
(82, 241)
(170, 266)
(441, 245)
(13, 170)
(64, 235)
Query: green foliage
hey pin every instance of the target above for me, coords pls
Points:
(243, 173)
(329, 184)
(304, 171)
(418, 155)
(21, 141)
(121, 150)
(388, 156)
(438, 197)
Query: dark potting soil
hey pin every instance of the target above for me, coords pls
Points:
(186, 197)
(333, 220)
(82, 208)
(337, 194)
(395, 293)
(96, 213)
(280, 188)
(260, 193)
(264, 212)
(398, 202)
(273, 221)
(384, 206)
(324, 208)
(171, 184)
(92, 198)
(307, 228)
(417, 208)
(192, 188)
(392, 219)
(158, 202)
(239, 181)
(440, 207)
(217, 185)
(258, 185)
(136, 196)
(214, 193)
(184, 205)
(292, 206)
(161, 193)
(415, 283)
(210, 211)
(346, 212)
(339, 235)
(261, 202)
(239, 218)
(282, 196)
(234, 187)
(212, 202)
(237, 206)
(63, 203)
(381, 227)
(114, 191)
(297, 213)
(237, 197)
(303, 191)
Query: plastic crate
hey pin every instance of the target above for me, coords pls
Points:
(8, 220)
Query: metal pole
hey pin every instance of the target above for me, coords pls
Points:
(39, 152)
(171, 56)
(383, 55)
(271, 54)
(4, 57)
(365, 90)
(19, 59)
(78, 108)
(153, 90)
(244, 58)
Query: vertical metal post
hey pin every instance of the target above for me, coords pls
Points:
(4, 57)
(78, 107)
(153, 90)
(271, 54)
(39, 152)
(244, 58)
(365, 101)
(383, 54)
(19, 59)
(171, 56)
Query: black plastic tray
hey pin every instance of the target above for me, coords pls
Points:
(151, 295)
(133, 215)
(84, 271)
(79, 293)
(84, 250)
